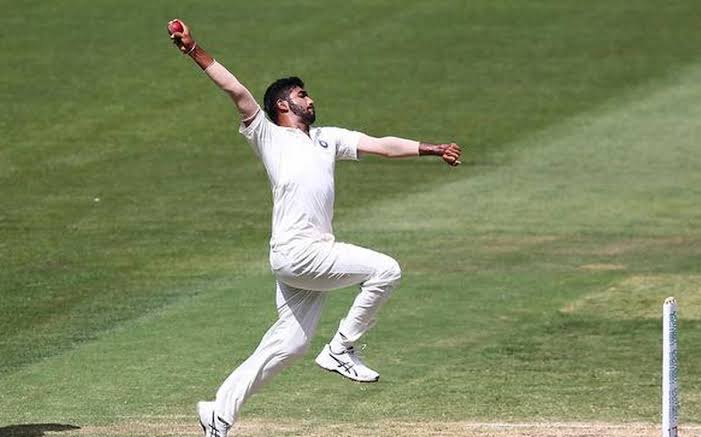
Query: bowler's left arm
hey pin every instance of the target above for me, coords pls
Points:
(394, 147)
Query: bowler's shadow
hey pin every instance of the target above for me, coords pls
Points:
(34, 429)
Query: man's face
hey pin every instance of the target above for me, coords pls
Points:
(302, 105)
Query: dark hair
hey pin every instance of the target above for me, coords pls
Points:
(280, 89)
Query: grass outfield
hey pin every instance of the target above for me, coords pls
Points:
(134, 219)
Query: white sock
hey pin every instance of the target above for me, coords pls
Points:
(339, 343)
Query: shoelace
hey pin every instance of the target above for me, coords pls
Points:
(356, 355)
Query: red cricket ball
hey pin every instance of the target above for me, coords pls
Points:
(175, 26)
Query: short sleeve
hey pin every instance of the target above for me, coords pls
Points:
(346, 143)
(258, 132)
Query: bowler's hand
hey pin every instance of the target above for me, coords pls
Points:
(182, 39)
(451, 154)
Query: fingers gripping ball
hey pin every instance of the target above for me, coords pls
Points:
(175, 26)
(181, 37)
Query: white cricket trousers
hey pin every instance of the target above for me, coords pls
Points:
(304, 277)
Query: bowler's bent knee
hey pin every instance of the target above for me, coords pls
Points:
(390, 273)
(294, 347)
(394, 272)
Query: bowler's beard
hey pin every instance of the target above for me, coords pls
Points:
(307, 117)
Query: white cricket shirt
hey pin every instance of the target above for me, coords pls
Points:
(301, 173)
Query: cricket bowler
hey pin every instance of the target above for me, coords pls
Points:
(304, 256)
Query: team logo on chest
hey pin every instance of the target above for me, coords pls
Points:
(323, 144)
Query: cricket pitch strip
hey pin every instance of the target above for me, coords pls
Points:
(178, 426)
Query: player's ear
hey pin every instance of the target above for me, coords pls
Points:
(282, 106)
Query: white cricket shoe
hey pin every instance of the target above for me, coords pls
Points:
(347, 363)
(212, 425)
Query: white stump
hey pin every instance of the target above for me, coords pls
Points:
(670, 394)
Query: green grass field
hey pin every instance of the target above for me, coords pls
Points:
(134, 220)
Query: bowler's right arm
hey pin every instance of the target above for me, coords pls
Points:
(243, 99)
